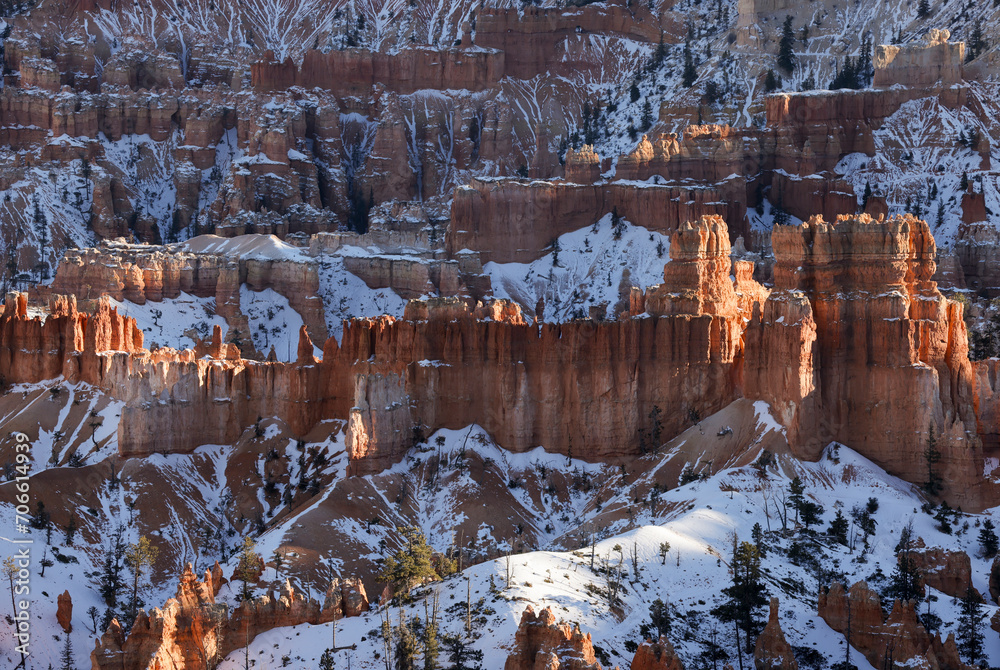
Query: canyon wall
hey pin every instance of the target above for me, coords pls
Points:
(356, 71)
(139, 274)
(583, 388)
(534, 38)
(855, 344)
(936, 62)
(513, 221)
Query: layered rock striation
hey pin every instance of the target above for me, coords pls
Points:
(514, 221)
(855, 344)
(584, 388)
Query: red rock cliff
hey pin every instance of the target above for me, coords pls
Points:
(856, 344)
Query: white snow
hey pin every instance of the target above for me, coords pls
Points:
(589, 271)
(174, 322)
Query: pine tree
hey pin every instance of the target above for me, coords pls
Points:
(406, 647)
(633, 92)
(796, 495)
(811, 513)
(460, 655)
(617, 224)
(411, 564)
(248, 567)
(689, 74)
(772, 82)
(746, 596)
(786, 57)
(431, 643)
(923, 9)
(970, 627)
(847, 77)
(659, 616)
(664, 550)
(41, 519)
(111, 578)
(866, 196)
(778, 212)
(977, 43)
(963, 185)
(864, 70)
(905, 581)
(757, 535)
(139, 556)
(647, 115)
(67, 654)
(838, 528)
(70, 530)
(988, 539)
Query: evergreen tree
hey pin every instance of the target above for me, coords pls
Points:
(659, 616)
(864, 71)
(923, 9)
(838, 528)
(847, 77)
(772, 82)
(746, 596)
(963, 185)
(905, 582)
(865, 522)
(689, 75)
(778, 212)
(248, 567)
(659, 55)
(41, 519)
(431, 643)
(977, 43)
(111, 578)
(988, 539)
(617, 223)
(70, 530)
(67, 654)
(757, 535)
(460, 655)
(796, 495)
(139, 557)
(647, 115)
(406, 647)
(410, 565)
(811, 513)
(970, 627)
(633, 92)
(786, 57)
(866, 196)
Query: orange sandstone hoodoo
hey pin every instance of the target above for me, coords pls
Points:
(855, 344)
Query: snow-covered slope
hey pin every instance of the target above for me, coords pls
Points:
(583, 270)
(704, 518)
